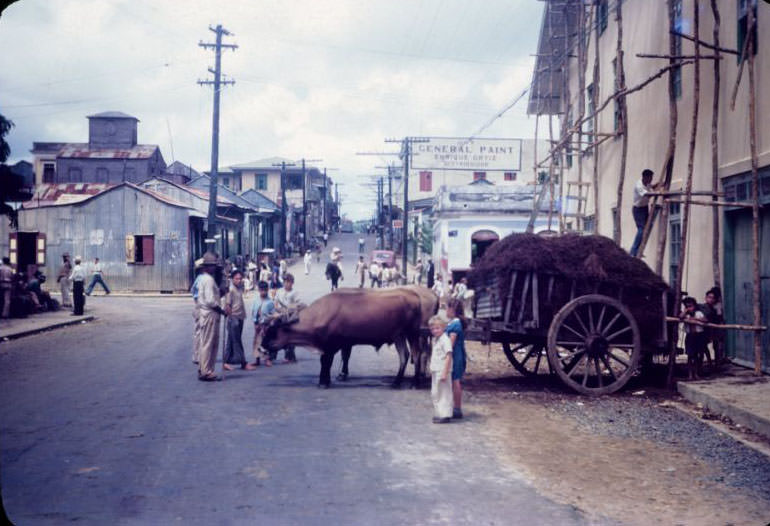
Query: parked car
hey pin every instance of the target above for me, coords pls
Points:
(384, 256)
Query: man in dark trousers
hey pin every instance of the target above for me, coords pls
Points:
(431, 274)
(78, 278)
(641, 208)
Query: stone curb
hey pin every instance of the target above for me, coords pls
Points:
(740, 416)
(42, 328)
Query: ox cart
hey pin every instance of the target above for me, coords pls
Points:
(593, 333)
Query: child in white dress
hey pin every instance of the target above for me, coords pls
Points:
(440, 367)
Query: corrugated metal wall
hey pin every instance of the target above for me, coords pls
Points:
(98, 228)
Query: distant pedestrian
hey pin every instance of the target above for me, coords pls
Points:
(235, 311)
(333, 273)
(695, 337)
(375, 274)
(361, 243)
(360, 271)
(210, 310)
(456, 332)
(286, 301)
(308, 260)
(264, 272)
(430, 274)
(78, 278)
(64, 280)
(6, 284)
(283, 268)
(326, 238)
(262, 311)
(97, 277)
(418, 268)
(440, 367)
(438, 289)
(641, 207)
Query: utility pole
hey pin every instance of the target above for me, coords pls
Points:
(406, 154)
(390, 207)
(304, 202)
(282, 248)
(211, 231)
(323, 217)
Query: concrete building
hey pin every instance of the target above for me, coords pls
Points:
(467, 219)
(111, 155)
(557, 92)
(142, 238)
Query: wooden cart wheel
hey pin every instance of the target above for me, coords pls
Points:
(529, 359)
(594, 344)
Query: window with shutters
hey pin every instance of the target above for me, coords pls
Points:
(426, 181)
(479, 175)
(143, 249)
(49, 172)
(509, 176)
(261, 182)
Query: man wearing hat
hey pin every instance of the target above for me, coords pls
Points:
(64, 280)
(208, 318)
(78, 278)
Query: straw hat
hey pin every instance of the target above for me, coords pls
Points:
(209, 258)
(336, 249)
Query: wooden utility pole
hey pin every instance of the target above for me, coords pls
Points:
(304, 202)
(282, 239)
(622, 128)
(218, 83)
(715, 242)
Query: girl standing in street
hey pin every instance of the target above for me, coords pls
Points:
(456, 332)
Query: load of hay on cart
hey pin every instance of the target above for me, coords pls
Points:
(576, 306)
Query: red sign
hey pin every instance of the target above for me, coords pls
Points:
(398, 223)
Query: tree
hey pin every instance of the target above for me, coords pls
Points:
(426, 237)
(5, 128)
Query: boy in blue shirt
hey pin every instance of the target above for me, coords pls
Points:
(261, 311)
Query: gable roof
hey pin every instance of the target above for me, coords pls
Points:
(65, 194)
(202, 183)
(258, 200)
(179, 168)
(202, 194)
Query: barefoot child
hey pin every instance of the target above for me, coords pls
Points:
(440, 367)
(695, 338)
(261, 312)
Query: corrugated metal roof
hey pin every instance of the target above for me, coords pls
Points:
(221, 200)
(52, 147)
(73, 193)
(82, 151)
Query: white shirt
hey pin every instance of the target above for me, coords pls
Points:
(208, 292)
(442, 347)
(78, 274)
(308, 257)
(97, 268)
(374, 270)
(285, 299)
(640, 194)
(438, 288)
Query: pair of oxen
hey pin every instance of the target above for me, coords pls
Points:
(348, 317)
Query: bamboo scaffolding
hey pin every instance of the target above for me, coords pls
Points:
(679, 57)
(735, 326)
(714, 46)
(757, 288)
(717, 204)
(747, 43)
(582, 64)
(622, 128)
(715, 233)
(595, 96)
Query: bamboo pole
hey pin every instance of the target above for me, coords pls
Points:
(550, 170)
(690, 170)
(623, 128)
(747, 44)
(715, 233)
(735, 326)
(679, 57)
(595, 96)
(716, 204)
(757, 288)
(667, 175)
(579, 222)
(714, 46)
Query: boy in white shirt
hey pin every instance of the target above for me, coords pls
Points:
(440, 365)
(287, 299)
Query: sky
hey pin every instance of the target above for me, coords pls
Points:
(314, 79)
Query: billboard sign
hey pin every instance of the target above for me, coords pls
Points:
(462, 153)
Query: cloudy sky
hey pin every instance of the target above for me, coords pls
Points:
(314, 78)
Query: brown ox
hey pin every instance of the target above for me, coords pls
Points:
(420, 353)
(345, 318)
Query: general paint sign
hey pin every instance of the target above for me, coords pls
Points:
(461, 153)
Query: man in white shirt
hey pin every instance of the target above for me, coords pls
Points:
(308, 260)
(78, 278)
(97, 278)
(287, 299)
(641, 208)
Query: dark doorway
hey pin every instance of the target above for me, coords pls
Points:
(26, 255)
(480, 242)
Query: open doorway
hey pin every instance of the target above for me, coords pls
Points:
(481, 240)
(27, 248)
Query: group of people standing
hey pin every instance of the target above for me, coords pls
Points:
(447, 363)
(74, 277)
(211, 301)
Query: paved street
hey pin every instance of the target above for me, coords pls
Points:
(105, 423)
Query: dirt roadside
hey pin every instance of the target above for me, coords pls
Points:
(632, 480)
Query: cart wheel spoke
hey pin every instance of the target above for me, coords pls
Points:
(521, 356)
(609, 348)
